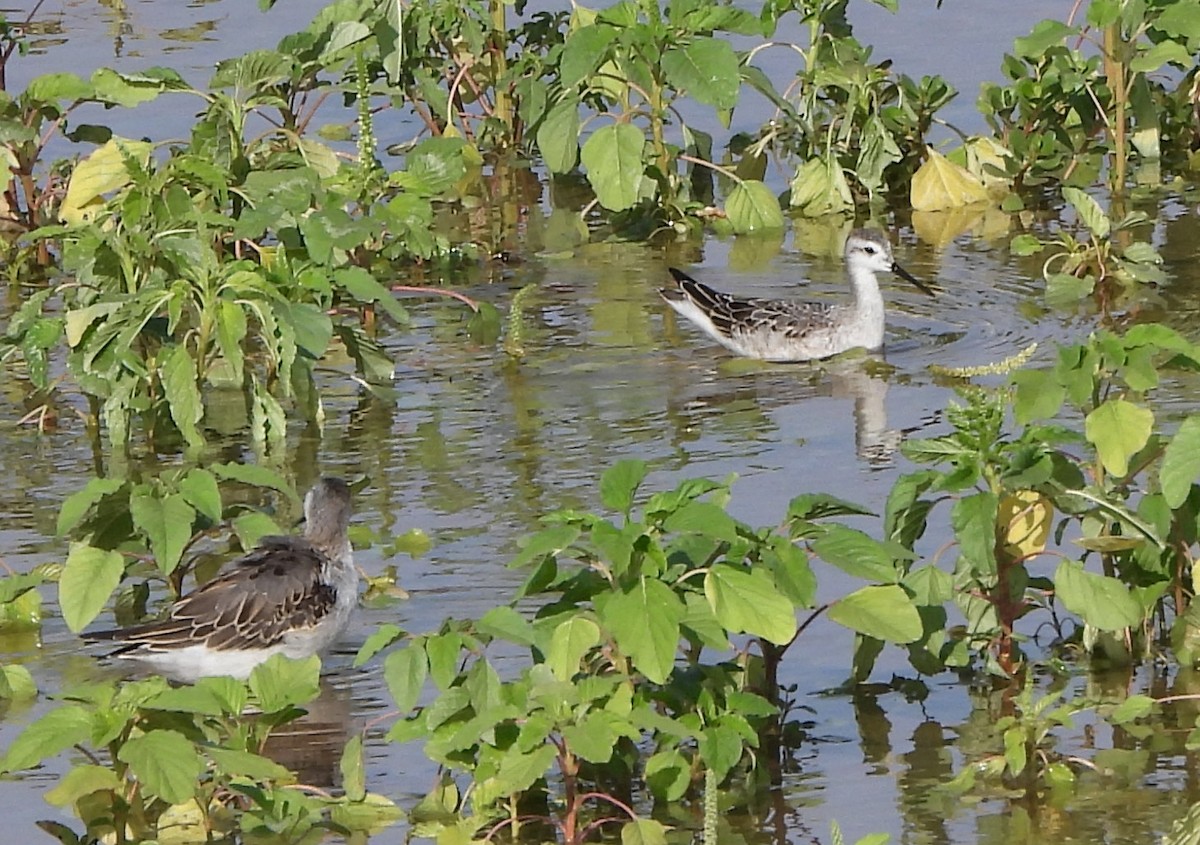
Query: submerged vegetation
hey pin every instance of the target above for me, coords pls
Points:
(181, 296)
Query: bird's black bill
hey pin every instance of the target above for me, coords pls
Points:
(908, 277)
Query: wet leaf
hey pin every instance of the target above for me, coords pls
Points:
(1119, 429)
(167, 524)
(940, 184)
(165, 762)
(753, 207)
(1181, 463)
(1101, 601)
(88, 579)
(613, 158)
(882, 612)
(1089, 211)
(749, 602)
(571, 641)
(645, 621)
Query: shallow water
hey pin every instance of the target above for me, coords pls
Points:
(474, 447)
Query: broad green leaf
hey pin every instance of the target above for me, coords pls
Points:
(1101, 601)
(1179, 20)
(1181, 463)
(50, 735)
(122, 90)
(518, 771)
(16, 682)
(88, 579)
(82, 780)
(644, 832)
(166, 522)
(620, 483)
(365, 288)
(645, 622)
(558, 137)
(583, 52)
(166, 763)
(974, 521)
(199, 488)
(720, 749)
(1045, 34)
(352, 767)
(178, 374)
(1039, 395)
(76, 506)
(613, 158)
(592, 739)
(882, 612)
(1089, 211)
(749, 602)
(820, 187)
(570, 642)
(1119, 430)
(103, 171)
(505, 623)
(380, 638)
(1015, 755)
(231, 331)
(668, 774)
(444, 651)
(404, 672)
(1065, 288)
(939, 184)
(855, 553)
(252, 526)
(56, 87)
(255, 475)
(753, 207)
(237, 763)
(705, 69)
(705, 518)
(1133, 707)
(279, 682)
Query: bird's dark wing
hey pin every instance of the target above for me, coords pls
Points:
(274, 589)
(733, 315)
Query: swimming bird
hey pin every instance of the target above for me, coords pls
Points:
(291, 596)
(791, 330)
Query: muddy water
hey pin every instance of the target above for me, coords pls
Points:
(473, 447)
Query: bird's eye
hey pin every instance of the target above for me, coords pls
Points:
(869, 250)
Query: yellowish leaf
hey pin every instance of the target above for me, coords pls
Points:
(103, 171)
(940, 184)
(1024, 518)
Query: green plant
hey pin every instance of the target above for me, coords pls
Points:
(155, 758)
